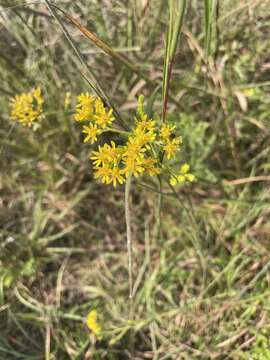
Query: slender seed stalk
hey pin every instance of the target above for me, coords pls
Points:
(129, 238)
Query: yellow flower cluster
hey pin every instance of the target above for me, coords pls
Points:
(93, 111)
(182, 176)
(92, 322)
(139, 153)
(114, 164)
(26, 108)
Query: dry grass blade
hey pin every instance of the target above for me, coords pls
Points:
(104, 47)
(176, 16)
(114, 54)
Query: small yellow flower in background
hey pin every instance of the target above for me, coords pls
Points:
(249, 92)
(67, 100)
(92, 131)
(92, 322)
(26, 108)
(85, 107)
(172, 147)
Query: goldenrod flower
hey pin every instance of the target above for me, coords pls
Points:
(133, 166)
(103, 173)
(84, 108)
(173, 180)
(113, 164)
(190, 177)
(144, 124)
(171, 147)
(102, 117)
(181, 179)
(166, 132)
(67, 100)
(92, 322)
(150, 165)
(26, 108)
(182, 176)
(249, 92)
(109, 175)
(133, 155)
(92, 131)
(134, 147)
(184, 169)
(106, 154)
(116, 176)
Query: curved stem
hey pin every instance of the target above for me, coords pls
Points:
(129, 238)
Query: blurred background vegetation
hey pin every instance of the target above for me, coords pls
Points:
(203, 273)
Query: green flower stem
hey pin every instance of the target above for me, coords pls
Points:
(129, 238)
(117, 131)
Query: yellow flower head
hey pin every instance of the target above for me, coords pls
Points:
(166, 132)
(133, 165)
(92, 322)
(171, 147)
(249, 92)
(150, 165)
(26, 108)
(67, 100)
(106, 164)
(181, 179)
(102, 117)
(182, 176)
(116, 176)
(109, 174)
(84, 108)
(184, 169)
(133, 154)
(107, 155)
(190, 177)
(144, 124)
(91, 132)
(102, 172)
(173, 180)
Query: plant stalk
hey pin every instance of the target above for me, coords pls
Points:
(129, 237)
